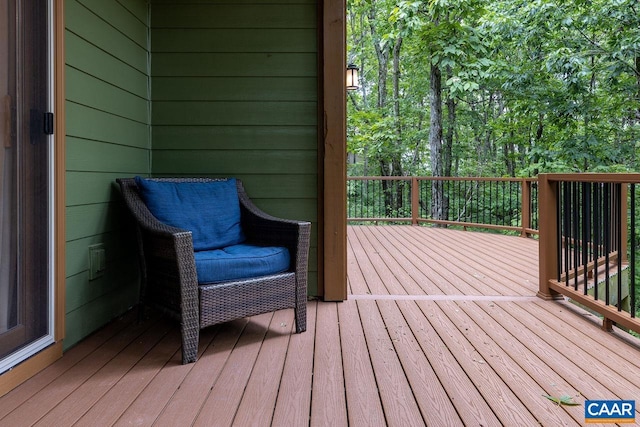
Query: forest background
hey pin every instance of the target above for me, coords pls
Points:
(493, 88)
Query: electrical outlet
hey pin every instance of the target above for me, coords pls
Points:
(97, 261)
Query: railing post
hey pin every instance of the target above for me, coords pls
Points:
(525, 206)
(548, 241)
(415, 201)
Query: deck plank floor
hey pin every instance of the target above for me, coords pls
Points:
(441, 328)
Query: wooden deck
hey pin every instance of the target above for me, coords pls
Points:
(441, 328)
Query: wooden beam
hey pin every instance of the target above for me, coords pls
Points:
(548, 246)
(334, 129)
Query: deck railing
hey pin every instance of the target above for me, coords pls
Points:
(587, 243)
(493, 203)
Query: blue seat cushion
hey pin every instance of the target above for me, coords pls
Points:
(240, 262)
(210, 210)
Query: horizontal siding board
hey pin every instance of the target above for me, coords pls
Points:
(92, 220)
(91, 316)
(233, 163)
(120, 18)
(235, 113)
(302, 210)
(235, 89)
(235, 137)
(89, 123)
(92, 92)
(234, 16)
(269, 186)
(233, 40)
(234, 64)
(89, 26)
(138, 8)
(87, 187)
(87, 155)
(84, 56)
(313, 260)
(280, 186)
(119, 249)
(80, 290)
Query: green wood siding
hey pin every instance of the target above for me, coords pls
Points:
(108, 135)
(234, 93)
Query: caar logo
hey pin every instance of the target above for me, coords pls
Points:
(610, 411)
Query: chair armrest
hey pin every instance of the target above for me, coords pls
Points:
(264, 229)
(166, 254)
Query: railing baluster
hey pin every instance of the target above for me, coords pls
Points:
(567, 229)
(575, 233)
(618, 227)
(585, 235)
(632, 260)
(560, 230)
(607, 241)
(596, 236)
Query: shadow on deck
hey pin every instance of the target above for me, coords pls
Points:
(441, 328)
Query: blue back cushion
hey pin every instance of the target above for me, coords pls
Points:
(210, 210)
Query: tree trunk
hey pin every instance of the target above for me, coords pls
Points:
(382, 55)
(397, 160)
(637, 71)
(435, 141)
(447, 159)
(396, 90)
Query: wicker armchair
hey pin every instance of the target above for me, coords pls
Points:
(170, 282)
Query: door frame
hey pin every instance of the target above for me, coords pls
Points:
(44, 358)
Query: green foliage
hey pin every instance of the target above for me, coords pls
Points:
(529, 86)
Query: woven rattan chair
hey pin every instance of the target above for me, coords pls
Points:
(170, 282)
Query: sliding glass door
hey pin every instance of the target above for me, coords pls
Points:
(26, 148)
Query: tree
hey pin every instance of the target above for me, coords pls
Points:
(507, 87)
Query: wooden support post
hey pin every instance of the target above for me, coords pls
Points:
(334, 161)
(548, 242)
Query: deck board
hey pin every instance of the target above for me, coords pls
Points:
(149, 404)
(361, 387)
(120, 396)
(222, 404)
(294, 395)
(259, 397)
(328, 404)
(431, 397)
(442, 327)
(73, 407)
(31, 387)
(398, 402)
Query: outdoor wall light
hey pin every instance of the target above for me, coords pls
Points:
(352, 77)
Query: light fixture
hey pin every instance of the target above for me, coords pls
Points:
(352, 77)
